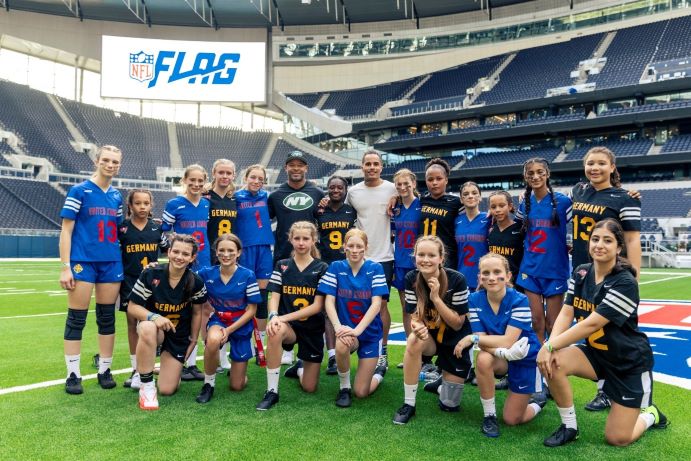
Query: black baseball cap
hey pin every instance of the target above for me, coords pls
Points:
(296, 155)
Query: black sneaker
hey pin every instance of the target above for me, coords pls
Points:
(490, 426)
(73, 385)
(331, 368)
(105, 379)
(599, 403)
(433, 387)
(502, 384)
(472, 379)
(206, 393)
(292, 371)
(270, 399)
(380, 370)
(539, 397)
(561, 436)
(192, 374)
(128, 381)
(404, 414)
(429, 367)
(447, 408)
(344, 398)
(661, 421)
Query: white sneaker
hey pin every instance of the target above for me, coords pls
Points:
(148, 397)
(287, 358)
(136, 383)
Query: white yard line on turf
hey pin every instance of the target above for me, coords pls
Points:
(663, 280)
(34, 315)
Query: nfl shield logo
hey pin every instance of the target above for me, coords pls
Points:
(141, 66)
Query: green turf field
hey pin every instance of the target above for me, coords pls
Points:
(46, 423)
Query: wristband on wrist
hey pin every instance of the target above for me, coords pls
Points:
(475, 339)
(65, 264)
(272, 315)
(152, 316)
(549, 346)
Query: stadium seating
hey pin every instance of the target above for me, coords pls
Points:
(317, 168)
(674, 43)
(366, 101)
(143, 139)
(650, 225)
(4, 149)
(50, 202)
(620, 148)
(20, 210)
(511, 157)
(307, 99)
(681, 143)
(660, 203)
(645, 108)
(417, 165)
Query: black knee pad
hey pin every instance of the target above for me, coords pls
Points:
(76, 319)
(105, 319)
(262, 309)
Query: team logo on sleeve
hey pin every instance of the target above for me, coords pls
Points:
(155, 282)
(123, 230)
(298, 201)
(77, 268)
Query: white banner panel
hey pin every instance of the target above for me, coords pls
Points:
(177, 70)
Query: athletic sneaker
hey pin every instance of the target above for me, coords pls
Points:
(539, 397)
(136, 381)
(661, 421)
(105, 379)
(599, 403)
(383, 361)
(287, 358)
(206, 393)
(73, 385)
(270, 399)
(447, 408)
(428, 367)
(331, 368)
(433, 387)
(128, 381)
(344, 398)
(292, 372)
(192, 374)
(502, 384)
(380, 370)
(561, 436)
(148, 397)
(400, 365)
(223, 369)
(490, 426)
(404, 414)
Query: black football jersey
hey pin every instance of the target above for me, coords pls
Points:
(153, 291)
(298, 289)
(456, 297)
(620, 345)
(438, 217)
(332, 226)
(222, 214)
(508, 243)
(591, 206)
(140, 247)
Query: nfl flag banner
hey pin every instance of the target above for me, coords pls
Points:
(176, 70)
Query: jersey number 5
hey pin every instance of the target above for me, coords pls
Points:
(355, 311)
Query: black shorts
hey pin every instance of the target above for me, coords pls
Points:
(175, 346)
(447, 361)
(263, 307)
(388, 267)
(630, 389)
(125, 289)
(310, 343)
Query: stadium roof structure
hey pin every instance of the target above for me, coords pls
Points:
(252, 13)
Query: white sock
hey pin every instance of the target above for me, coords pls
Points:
(648, 418)
(133, 361)
(331, 352)
(210, 379)
(568, 417)
(223, 356)
(377, 377)
(344, 379)
(600, 385)
(104, 363)
(272, 375)
(72, 362)
(192, 359)
(536, 408)
(488, 406)
(409, 394)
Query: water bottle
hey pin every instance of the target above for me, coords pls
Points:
(429, 376)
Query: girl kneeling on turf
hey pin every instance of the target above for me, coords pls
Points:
(354, 288)
(501, 321)
(603, 298)
(167, 300)
(233, 294)
(295, 313)
(437, 299)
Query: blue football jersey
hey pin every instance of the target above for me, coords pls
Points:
(354, 293)
(545, 251)
(96, 215)
(471, 238)
(514, 311)
(181, 216)
(406, 222)
(253, 224)
(234, 296)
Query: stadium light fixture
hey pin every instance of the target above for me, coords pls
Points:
(139, 9)
(74, 7)
(204, 10)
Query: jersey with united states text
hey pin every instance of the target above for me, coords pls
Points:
(545, 252)
(332, 226)
(438, 217)
(509, 244)
(140, 246)
(253, 225)
(514, 310)
(222, 214)
(354, 293)
(619, 345)
(471, 238)
(298, 289)
(96, 215)
(406, 222)
(183, 217)
(591, 206)
(153, 292)
(456, 298)
(230, 299)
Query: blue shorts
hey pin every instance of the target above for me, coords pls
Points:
(524, 378)
(542, 286)
(369, 349)
(98, 272)
(399, 277)
(258, 259)
(240, 344)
